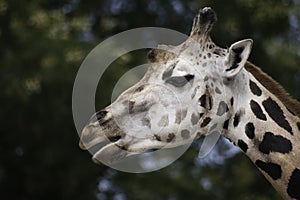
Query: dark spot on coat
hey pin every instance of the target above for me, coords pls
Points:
(218, 91)
(195, 118)
(210, 102)
(201, 114)
(157, 137)
(178, 117)
(202, 100)
(272, 169)
(183, 114)
(236, 119)
(255, 89)
(250, 130)
(226, 124)
(209, 55)
(130, 106)
(205, 122)
(275, 112)
(140, 88)
(223, 108)
(146, 122)
(294, 183)
(256, 109)
(298, 124)
(217, 52)
(171, 136)
(275, 143)
(242, 145)
(205, 78)
(231, 101)
(133, 107)
(194, 92)
(206, 100)
(185, 134)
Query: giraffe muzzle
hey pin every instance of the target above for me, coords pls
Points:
(91, 135)
(101, 128)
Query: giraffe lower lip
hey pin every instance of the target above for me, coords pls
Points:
(109, 154)
(105, 150)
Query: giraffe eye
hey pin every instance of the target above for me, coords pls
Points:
(180, 81)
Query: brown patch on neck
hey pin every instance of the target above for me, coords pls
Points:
(274, 87)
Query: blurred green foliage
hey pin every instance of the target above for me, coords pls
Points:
(42, 46)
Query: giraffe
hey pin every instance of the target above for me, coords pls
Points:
(218, 90)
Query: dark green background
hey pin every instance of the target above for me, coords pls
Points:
(42, 44)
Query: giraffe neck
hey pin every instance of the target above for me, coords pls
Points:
(269, 134)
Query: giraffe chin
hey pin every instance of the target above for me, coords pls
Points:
(110, 154)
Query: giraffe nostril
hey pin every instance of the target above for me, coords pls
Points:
(101, 114)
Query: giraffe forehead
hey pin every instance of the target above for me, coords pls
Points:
(192, 64)
(192, 53)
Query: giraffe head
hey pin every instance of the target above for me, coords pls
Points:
(184, 94)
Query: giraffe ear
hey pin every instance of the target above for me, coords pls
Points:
(237, 57)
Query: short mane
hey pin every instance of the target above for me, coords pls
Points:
(275, 88)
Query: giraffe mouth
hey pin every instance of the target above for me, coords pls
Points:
(105, 146)
(111, 148)
(109, 144)
(106, 149)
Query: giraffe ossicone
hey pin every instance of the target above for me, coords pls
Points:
(198, 88)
